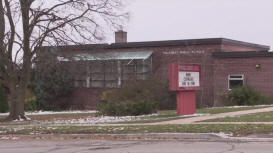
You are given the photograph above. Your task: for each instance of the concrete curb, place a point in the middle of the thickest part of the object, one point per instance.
(184, 136)
(163, 136)
(210, 137)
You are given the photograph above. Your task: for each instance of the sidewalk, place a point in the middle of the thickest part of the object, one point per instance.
(199, 119)
(214, 116)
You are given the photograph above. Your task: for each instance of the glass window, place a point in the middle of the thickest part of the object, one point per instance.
(235, 81)
(112, 73)
(97, 84)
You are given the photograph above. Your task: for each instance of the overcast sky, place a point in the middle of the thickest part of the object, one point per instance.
(245, 20)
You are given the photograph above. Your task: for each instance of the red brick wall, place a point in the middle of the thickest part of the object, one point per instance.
(214, 72)
(200, 54)
(88, 98)
(261, 79)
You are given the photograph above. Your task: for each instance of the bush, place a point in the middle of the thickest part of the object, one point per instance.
(246, 96)
(4, 106)
(137, 98)
(31, 102)
(50, 80)
(32, 105)
(125, 109)
(150, 90)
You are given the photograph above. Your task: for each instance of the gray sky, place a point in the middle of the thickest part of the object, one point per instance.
(245, 20)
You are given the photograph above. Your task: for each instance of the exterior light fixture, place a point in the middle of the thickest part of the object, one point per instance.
(258, 66)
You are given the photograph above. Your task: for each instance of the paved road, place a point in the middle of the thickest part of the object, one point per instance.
(103, 146)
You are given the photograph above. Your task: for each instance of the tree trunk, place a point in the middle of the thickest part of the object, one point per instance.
(16, 102)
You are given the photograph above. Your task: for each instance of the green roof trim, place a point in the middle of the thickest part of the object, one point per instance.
(113, 56)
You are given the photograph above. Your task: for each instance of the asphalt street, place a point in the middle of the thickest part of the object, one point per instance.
(104, 146)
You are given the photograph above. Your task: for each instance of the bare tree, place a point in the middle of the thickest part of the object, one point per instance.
(26, 25)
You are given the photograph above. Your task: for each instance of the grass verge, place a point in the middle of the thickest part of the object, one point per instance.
(257, 117)
(172, 115)
(42, 117)
(162, 115)
(237, 130)
(218, 110)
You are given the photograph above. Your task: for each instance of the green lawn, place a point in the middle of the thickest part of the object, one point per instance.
(61, 116)
(32, 128)
(172, 115)
(213, 110)
(237, 130)
(162, 115)
(217, 110)
(50, 117)
(257, 117)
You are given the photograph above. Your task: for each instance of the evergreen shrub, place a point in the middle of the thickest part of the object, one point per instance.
(4, 106)
(137, 98)
(246, 96)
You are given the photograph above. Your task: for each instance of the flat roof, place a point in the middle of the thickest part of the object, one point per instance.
(248, 54)
(188, 42)
(185, 42)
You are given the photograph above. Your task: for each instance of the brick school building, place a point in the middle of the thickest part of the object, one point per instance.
(225, 63)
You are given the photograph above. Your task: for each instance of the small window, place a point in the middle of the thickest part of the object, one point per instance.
(235, 81)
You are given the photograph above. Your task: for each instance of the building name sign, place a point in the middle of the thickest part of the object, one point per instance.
(183, 52)
(188, 79)
(184, 76)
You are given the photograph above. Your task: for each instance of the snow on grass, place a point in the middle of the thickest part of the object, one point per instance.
(195, 115)
(52, 112)
(3, 132)
(21, 119)
(4, 138)
(18, 129)
(61, 112)
(101, 119)
(112, 119)
(94, 111)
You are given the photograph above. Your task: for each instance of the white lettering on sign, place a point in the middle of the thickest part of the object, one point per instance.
(189, 79)
(184, 52)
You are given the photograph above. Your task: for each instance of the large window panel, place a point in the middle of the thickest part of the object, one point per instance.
(114, 69)
(235, 80)
(111, 84)
(110, 77)
(97, 76)
(99, 84)
(111, 67)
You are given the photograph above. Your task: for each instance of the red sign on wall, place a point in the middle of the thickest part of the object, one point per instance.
(184, 76)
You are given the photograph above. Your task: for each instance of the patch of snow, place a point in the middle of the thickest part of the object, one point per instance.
(18, 129)
(195, 115)
(3, 132)
(4, 114)
(4, 138)
(61, 112)
(14, 138)
(19, 120)
(224, 135)
(101, 120)
(27, 118)
(52, 112)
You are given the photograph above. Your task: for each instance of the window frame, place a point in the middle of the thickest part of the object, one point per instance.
(238, 79)
(124, 70)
